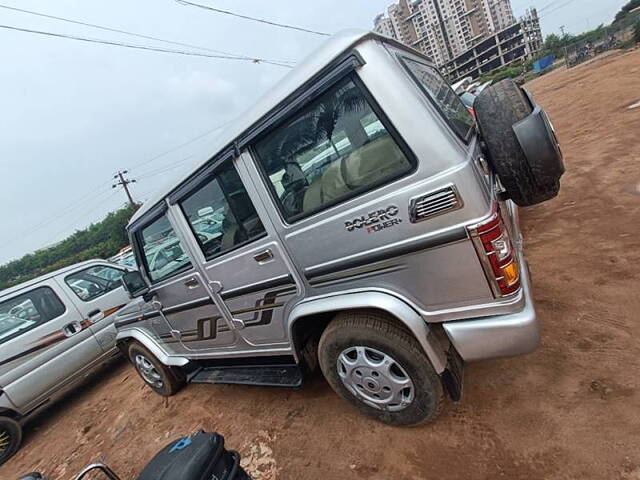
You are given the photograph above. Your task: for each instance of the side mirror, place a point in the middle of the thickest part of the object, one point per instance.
(134, 284)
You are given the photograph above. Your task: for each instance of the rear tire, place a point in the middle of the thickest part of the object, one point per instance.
(163, 380)
(10, 438)
(498, 108)
(380, 368)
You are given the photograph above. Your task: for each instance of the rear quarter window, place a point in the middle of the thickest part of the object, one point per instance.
(332, 149)
(441, 95)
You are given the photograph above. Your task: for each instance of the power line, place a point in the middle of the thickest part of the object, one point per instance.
(103, 188)
(84, 214)
(557, 8)
(178, 147)
(165, 168)
(133, 34)
(62, 213)
(140, 47)
(547, 5)
(253, 19)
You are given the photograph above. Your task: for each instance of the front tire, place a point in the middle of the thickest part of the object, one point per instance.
(380, 368)
(10, 438)
(163, 380)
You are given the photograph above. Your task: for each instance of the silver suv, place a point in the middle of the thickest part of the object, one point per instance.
(357, 217)
(54, 331)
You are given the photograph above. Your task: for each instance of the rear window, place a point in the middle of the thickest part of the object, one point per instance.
(28, 311)
(442, 95)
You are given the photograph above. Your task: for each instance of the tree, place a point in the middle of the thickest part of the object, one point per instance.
(636, 33)
(98, 240)
(554, 44)
(626, 8)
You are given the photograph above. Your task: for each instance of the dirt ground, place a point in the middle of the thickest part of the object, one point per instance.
(571, 410)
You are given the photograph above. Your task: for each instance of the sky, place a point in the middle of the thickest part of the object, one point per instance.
(73, 114)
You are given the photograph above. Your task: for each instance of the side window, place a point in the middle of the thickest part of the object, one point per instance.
(332, 149)
(447, 101)
(221, 214)
(162, 251)
(94, 282)
(27, 311)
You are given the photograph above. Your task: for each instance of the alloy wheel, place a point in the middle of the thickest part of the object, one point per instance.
(5, 440)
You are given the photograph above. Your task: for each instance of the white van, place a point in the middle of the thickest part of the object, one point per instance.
(54, 331)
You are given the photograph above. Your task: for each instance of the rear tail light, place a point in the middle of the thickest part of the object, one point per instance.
(472, 111)
(498, 258)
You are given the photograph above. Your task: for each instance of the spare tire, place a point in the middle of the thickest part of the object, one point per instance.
(520, 142)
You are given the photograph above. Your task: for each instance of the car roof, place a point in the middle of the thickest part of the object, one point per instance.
(329, 51)
(22, 286)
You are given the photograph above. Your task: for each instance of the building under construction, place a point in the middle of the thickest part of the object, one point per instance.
(466, 38)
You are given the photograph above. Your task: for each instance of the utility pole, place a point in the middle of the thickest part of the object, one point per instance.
(124, 183)
(562, 30)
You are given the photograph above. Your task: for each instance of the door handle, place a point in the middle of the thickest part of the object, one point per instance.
(192, 283)
(263, 256)
(95, 315)
(71, 329)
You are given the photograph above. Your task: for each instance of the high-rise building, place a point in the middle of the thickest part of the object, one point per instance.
(446, 29)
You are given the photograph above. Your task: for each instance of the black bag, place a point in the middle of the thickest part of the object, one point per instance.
(201, 456)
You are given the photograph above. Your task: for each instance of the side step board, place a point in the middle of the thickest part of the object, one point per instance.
(265, 375)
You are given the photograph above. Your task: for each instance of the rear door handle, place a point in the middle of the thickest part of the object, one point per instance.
(263, 256)
(95, 315)
(192, 283)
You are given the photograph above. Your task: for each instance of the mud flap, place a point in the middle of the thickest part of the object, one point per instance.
(452, 377)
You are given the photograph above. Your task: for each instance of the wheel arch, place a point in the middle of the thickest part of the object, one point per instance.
(7, 408)
(125, 337)
(9, 413)
(316, 315)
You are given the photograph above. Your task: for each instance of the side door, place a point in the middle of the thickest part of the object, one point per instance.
(98, 294)
(241, 256)
(44, 344)
(187, 315)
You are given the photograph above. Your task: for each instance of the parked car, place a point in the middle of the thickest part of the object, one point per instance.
(366, 229)
(468, 99)
(125, 257)
(54, 331)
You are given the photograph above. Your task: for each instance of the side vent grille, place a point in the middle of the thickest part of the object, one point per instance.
(434, 204)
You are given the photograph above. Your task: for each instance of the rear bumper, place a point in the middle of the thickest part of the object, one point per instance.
(500, 335)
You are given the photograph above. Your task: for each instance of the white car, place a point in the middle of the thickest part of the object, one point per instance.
(167, 258)
(54, 331)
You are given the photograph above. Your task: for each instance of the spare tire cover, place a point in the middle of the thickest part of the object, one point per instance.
(529, 178)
